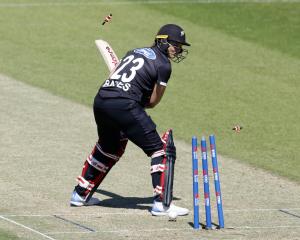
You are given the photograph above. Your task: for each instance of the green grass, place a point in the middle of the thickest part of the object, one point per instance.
(4, 235)
(243, 68)
(272, 25)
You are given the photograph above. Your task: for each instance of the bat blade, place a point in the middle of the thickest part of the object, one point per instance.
(107, 53)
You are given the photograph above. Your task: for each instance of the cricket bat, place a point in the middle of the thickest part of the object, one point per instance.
(107, 53)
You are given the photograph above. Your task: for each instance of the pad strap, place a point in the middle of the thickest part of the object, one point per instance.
(96, 164)
(158, 168)
(84, 183)
(95, 169)
(158, 153)
(157, 190)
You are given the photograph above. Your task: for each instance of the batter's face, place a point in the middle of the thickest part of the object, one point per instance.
(174, 49)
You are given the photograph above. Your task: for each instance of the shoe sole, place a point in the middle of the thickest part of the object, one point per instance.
(159, 213)
(81, 204)
(154, 213)
(76, 204)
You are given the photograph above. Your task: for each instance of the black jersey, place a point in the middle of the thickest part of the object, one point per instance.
(136, 75)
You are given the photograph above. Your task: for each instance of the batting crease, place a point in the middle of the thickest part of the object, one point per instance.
(177, 229)
(28, 228)
(4, 217)
(143, 212)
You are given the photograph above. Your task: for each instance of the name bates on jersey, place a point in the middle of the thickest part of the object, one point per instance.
(128, 68)
(112, 83)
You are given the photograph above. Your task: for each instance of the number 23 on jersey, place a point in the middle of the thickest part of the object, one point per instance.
(124, 74)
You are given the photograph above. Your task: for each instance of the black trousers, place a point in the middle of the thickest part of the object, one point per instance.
(117, 116)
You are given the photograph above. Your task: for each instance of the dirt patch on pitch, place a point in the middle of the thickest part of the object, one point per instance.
(44, 140)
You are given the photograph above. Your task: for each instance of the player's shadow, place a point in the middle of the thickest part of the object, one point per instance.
(118, 201)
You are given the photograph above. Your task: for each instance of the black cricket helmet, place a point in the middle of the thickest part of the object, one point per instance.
(174, 35)
(172, 32)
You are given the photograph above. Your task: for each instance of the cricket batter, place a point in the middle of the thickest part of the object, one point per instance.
(138, 82)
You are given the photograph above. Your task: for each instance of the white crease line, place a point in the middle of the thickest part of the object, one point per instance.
(57, 4)
(127, 230)
(144, 230)
(28, 228)
(143, 212)
(62, 214)
(176, 229)
(266, 227)
(261, 209)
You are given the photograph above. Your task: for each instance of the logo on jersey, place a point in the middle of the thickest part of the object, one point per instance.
(147, 52)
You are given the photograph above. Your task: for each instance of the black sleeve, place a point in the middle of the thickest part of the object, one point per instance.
(163, 74)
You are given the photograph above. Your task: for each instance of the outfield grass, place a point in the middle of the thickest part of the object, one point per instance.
(272, 25)
(243, 67)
